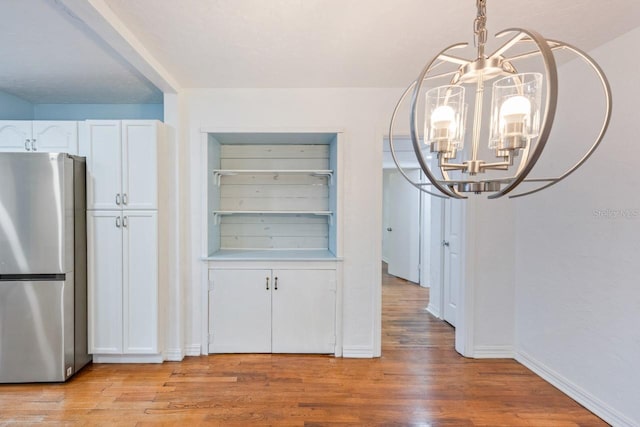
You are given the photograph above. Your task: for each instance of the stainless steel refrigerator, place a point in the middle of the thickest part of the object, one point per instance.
(43, 267)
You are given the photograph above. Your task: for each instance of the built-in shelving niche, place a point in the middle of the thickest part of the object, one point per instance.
(272, 195)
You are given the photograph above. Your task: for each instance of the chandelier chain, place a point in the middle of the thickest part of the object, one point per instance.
(480, 27)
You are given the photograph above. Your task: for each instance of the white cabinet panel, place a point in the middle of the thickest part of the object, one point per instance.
(104, 164)
(15, 135)
(104, 259)
(139, 165)
(122, 164)
(140, 281)
(240, 311)
(55, 137)
(35, 136)
(279, 311)
(303, 317)
(123, 282)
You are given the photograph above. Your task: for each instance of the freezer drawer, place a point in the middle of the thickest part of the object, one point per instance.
(36, 330)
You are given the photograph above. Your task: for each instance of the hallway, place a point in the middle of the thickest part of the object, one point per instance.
(419, 380)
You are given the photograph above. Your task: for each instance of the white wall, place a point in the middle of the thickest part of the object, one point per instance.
(362, 114)
(486, 307)
(578, 253)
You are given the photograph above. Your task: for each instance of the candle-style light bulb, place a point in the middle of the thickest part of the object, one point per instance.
(443, 117)
(514, 113)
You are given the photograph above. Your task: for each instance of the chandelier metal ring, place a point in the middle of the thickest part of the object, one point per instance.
(514, 136)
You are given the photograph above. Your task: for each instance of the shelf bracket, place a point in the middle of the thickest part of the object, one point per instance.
(216, 178)
(329, 176)
(216, 218)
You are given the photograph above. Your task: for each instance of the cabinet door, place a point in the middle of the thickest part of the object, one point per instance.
(55, 137)
(240, 311)
(104, 269)
(15, 135)
(104, 164)
(140, 164)
(304, 307)
(140, 282)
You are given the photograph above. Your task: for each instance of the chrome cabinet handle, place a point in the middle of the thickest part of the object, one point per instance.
(125, 199)
(118, 199)
(267, 283)
(33, 145)
(276, 284)
(445, 243)
(125, 221)
(118, 222)
(26, 144)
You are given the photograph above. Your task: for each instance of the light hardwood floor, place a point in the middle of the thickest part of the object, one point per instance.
(420, 380)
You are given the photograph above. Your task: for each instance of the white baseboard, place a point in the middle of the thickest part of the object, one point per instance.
(583, 397)
(493, 352)
(120, 358)
(193, 350)
(174, 355)
(433, 310)
(357, 351)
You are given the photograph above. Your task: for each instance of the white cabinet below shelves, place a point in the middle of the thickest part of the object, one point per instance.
(279, 311)
(123, 282)
(39, 136)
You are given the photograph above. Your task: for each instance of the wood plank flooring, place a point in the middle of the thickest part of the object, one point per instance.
(420, 381)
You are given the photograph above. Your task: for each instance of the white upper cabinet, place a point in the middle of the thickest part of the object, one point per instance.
(39, 136)
(103, 150)
(139, 164)
(122, 159)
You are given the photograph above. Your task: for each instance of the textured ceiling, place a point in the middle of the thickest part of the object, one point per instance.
(50, 57)
(342, 43)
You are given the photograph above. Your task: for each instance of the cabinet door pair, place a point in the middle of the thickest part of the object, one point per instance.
(39, 136)
(272, 311)
(122, 164)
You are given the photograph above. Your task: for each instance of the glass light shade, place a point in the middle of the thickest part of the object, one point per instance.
(445, 118)
(515, 111)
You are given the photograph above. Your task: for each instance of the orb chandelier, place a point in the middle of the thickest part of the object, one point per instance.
(504, 144)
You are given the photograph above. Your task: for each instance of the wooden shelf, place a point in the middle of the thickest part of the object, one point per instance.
(218, 214)
(272, 254)
(218, 173)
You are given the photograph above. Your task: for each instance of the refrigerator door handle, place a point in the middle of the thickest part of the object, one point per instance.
(118, 222)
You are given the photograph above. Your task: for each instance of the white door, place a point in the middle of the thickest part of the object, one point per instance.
(240, 311)
(140, 164)
(452, 277)
(15, 135)
(104, 164)
(140, 281)
(104, 270)
(55, 137)
(403, 230)
(303, 318)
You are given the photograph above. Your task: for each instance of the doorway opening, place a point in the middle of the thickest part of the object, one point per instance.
(422, 235)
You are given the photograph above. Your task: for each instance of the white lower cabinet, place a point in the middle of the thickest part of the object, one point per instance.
(272, 311)
(123, 283)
